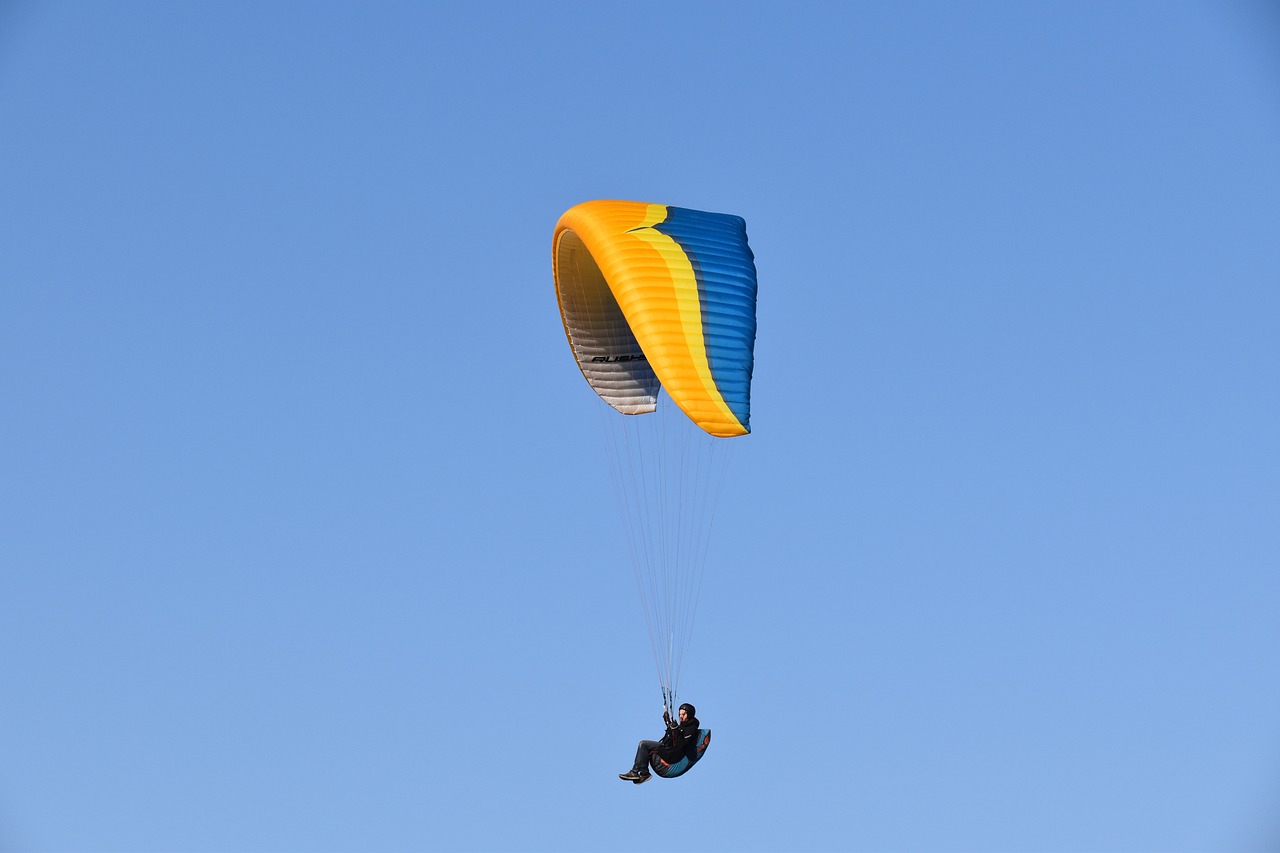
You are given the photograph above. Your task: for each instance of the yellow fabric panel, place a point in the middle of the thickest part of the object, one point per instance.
(654, 284)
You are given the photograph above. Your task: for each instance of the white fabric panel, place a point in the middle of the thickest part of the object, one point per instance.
(607, 352)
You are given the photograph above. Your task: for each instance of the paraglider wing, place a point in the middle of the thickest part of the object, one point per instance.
(657, 296)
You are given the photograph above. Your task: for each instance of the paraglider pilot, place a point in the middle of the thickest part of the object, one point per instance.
(679, 739)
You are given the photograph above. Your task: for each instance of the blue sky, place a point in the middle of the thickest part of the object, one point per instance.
(305, 531)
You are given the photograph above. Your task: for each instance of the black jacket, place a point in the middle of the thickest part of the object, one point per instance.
(679, 741)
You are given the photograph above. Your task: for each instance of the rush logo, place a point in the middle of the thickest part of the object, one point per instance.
(612, 359)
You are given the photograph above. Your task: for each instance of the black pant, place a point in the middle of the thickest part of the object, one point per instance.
(642, 756)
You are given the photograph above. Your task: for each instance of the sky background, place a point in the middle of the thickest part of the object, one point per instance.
(306, 535)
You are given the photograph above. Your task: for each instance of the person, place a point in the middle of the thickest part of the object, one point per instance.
(679, 739)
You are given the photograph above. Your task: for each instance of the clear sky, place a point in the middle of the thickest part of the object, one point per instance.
(306, 536)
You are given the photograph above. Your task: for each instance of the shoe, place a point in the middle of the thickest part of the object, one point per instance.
(630, 776)
(644, 777)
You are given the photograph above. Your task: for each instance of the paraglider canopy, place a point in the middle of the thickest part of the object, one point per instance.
(658, 296)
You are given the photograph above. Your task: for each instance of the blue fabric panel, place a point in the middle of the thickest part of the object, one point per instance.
(716, 245)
